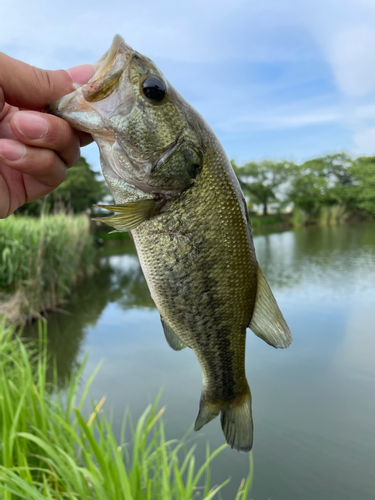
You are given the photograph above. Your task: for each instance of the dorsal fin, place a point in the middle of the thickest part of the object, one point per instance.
(172, 338)
(267, 321)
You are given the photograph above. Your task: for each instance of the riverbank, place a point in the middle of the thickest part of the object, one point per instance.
(50, 449)
(275, 222)
(40, 261)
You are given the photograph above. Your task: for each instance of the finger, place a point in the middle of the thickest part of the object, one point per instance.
(42, 164)
(47, 132)
(7, 133)
(5, 117)
(29, 87)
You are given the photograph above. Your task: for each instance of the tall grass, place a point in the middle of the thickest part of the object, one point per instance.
(40, 259)
(333, 214)
(49, 449)
(259, 221)
(299, 217)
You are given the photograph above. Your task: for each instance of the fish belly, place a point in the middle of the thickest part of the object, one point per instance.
(201, 270)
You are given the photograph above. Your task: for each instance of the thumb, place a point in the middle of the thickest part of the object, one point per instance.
(29, 87)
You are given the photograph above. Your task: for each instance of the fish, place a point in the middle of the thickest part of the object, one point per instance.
(176, 193)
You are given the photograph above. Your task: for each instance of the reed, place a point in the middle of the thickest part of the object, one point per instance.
(299, 217)
(40, 260)
(49, 449)
(259, 221)
(331, 215)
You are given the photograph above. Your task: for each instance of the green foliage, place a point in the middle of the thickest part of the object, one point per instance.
(321, 182)
(78, 193)
(81, 189)
(324, 190)
(299, 217)
(106, 236)
(40, 260)
(261, 180)
(49, 449)
(258, 221)
(331, 214)
(363, 173)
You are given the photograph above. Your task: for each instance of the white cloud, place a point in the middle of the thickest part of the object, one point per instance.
(365, 112)
(301, 114)
(352, 55)
(365, 140)
(313, 37)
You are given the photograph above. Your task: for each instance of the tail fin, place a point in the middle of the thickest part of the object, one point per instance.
(236, 420)
(237, 424)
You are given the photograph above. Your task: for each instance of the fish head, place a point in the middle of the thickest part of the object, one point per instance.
(149, 137)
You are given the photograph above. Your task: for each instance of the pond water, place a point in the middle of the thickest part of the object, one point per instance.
(313, 404)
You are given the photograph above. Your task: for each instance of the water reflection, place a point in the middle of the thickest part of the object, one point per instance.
(118, 279)
(338, 258)
(313, 404)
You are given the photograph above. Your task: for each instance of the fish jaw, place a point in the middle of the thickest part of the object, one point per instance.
(82, 108)
(79, 114)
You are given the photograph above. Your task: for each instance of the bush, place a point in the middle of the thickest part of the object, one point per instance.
(40, 260)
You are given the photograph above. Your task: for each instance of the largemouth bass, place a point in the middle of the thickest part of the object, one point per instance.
(176, 193)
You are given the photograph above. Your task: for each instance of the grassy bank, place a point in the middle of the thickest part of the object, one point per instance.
(272, 221)
(40, 260)
(107, 237)
(49, 449)
(258, 223)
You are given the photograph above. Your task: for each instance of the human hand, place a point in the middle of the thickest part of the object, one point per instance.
(35, 148)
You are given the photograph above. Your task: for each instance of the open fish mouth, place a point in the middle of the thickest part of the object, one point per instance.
(109, 69)
(76, 107)
(107, 59)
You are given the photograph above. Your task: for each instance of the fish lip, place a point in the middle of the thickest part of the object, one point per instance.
(104, 63)
(104, 66)
(109, 68)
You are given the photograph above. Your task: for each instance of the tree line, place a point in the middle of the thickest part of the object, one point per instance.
(326, 181)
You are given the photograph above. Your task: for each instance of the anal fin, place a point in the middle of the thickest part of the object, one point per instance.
(129, 215)
(267, 321)
(172, 338)
(207, 412)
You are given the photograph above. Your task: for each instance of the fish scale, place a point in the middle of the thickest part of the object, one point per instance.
(230, 280)
(176, 193)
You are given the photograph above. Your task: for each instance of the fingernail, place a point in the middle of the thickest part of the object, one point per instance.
(12, 150)
(31, 125)
(82, 74)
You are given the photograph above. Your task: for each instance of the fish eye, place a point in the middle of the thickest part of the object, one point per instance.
(154, 88)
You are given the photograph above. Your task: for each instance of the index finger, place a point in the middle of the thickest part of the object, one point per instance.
(33, 88)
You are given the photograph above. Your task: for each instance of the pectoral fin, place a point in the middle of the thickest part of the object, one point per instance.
(172, 338)
(130, 215)
(267, 322)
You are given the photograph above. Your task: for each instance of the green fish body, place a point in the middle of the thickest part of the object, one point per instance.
(176, 193)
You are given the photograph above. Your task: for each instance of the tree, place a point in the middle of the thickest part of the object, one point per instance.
(262, 180)
(80, 190)
(363, 190)
(322, 181)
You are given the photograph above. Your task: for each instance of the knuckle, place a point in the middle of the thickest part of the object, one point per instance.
(50, 160)
(74, 157)
(42, 78)
(60, 132)
(73, 154)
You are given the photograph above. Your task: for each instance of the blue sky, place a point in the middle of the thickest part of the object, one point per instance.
(275, 79)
